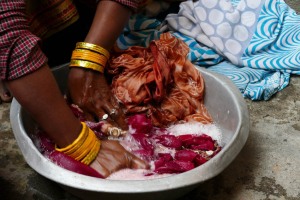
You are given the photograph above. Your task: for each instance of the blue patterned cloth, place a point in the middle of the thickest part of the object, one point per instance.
(139, 31)
(255, 84)
(269, 40)
(275, 44)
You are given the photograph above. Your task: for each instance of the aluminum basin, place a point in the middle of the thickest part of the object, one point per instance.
(225, 104)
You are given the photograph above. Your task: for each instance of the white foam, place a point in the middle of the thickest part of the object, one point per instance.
(197, 128)
(128, 142)
(135, 174)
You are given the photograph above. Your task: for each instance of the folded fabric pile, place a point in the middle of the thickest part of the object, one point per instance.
(254, 43)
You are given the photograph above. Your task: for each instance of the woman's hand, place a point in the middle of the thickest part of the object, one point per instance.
(113, 157)
(89, 90)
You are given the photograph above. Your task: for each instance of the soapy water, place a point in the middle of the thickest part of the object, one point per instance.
(169, 151)
(180, 129)
(211, 130)
(189, 128)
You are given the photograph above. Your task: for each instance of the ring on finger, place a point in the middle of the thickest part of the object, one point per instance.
(104, 117)
(115, 132)
(113, 112)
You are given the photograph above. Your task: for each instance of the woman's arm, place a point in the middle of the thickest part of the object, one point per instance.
(39, 94)
(47, 106)
(23, 66)
(109, 20)
(88, 88)
(31, 82)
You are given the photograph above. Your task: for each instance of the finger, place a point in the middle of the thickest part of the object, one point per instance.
(120, 116)
(88, 116)
(88, 111)
(120, 120)
(138, 163)
(97, 112)
(99, 168)
(110, 110)
(101, 115)
(114, 101)
(5, 95)
(117, 115)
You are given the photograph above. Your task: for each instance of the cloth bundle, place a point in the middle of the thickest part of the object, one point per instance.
(160, 81)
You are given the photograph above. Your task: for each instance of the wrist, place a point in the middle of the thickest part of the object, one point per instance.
(89, 56)
(78, 73)
(84, 148)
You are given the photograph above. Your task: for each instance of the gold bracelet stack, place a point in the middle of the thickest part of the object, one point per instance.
(85, 148)
(90, 56)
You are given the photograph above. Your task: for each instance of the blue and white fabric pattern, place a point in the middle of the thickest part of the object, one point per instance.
(275, 44)
(200, 54)
(140, 30)
(255, 84)
(218, 24)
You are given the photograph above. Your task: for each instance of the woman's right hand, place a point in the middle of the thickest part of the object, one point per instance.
(113, 157)
(90, 91)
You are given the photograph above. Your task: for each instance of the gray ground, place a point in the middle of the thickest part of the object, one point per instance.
(268, 167)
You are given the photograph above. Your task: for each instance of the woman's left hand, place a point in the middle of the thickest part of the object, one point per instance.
(90, 91)
(113, 157)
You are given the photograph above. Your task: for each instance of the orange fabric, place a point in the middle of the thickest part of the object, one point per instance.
(159, 80)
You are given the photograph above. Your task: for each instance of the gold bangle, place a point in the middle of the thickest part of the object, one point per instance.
(89, 56)
(76, 147)
(79, 139)
(91, 53)
(80, 142)
(87, 64)
(85, 56)
(85, 147)
(93, 47)
(93, 153)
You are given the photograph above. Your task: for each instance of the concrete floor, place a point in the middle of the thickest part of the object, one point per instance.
(268, 167)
